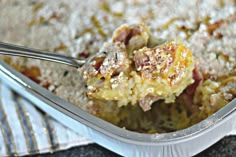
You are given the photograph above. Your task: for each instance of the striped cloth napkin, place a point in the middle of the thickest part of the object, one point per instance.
(25, 129)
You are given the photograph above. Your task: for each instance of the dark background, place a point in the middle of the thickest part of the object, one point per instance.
(224, 148)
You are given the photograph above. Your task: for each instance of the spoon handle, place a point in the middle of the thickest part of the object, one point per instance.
(14, 50)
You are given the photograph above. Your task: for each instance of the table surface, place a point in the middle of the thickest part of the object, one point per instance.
(224, 148)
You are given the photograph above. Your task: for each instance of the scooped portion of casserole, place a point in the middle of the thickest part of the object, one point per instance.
(128, 71)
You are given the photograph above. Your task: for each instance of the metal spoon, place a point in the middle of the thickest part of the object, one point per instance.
(14, 50)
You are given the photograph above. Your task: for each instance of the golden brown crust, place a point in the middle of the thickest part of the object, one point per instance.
(110, 61)
(169, 61)
(133, 37)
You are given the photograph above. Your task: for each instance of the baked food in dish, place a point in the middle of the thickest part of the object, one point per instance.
(79, 29)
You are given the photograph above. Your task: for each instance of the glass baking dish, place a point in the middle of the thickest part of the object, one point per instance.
(186, 142)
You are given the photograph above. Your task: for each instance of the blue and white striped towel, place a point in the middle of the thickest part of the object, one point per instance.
(25, 129)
